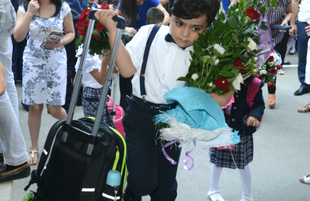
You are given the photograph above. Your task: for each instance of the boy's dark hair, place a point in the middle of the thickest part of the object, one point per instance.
(154, 15)
(57, 3)
(190, 9)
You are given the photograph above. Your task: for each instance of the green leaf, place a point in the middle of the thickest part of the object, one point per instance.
(233, 22)
(227, 74)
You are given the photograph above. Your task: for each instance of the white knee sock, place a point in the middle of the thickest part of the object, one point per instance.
(215, 177)
(246, 181)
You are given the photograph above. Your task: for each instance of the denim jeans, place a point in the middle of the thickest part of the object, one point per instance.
(11, 138)
(302, 40)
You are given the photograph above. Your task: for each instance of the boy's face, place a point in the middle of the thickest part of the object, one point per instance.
(185, 32)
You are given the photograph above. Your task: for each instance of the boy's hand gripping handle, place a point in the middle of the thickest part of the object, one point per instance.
(121, 24)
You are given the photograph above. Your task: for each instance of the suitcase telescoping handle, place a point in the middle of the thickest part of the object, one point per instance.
(121, 24)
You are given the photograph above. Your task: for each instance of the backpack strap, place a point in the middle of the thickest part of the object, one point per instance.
(145, 57)
(252, 90)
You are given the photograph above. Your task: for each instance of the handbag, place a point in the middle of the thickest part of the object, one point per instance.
(117, 115)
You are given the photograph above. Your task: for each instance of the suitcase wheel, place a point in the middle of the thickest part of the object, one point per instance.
(29, 197)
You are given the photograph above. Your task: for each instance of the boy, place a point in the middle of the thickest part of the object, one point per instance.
(155, 16)
(150, 173)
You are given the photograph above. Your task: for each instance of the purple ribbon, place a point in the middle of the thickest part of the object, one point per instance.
(173, 162)
(165, 153)
(190, 157)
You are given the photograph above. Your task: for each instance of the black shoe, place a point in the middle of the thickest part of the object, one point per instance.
(10, 173)
(286, 63)
(131, 196)
(302, 90)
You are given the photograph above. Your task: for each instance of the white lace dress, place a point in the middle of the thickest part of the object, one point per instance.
(44, 71)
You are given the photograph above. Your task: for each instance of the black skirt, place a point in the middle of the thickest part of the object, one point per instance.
(238, 157)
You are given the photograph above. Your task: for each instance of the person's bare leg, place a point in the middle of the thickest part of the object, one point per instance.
(57, 112)
(34, 124)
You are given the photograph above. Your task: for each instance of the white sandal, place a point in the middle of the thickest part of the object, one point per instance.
(305, 179)
(33, 160)
(215, 196)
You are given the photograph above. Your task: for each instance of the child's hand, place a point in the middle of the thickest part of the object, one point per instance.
(252, 121)
(105, 18)
(106, 58)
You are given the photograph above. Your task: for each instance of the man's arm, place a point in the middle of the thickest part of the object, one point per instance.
(2, 80)
(293, 30)
(233, 2)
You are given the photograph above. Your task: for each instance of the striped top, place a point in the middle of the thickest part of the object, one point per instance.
(275, 16)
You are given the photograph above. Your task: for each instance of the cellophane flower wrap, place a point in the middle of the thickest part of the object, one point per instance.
(268, 71)
(223, 56)
(99, 43)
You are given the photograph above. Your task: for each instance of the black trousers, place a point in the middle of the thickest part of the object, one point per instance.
(281, 48)
(150, 173)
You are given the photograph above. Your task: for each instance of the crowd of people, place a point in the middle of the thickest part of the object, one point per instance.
(47, 77)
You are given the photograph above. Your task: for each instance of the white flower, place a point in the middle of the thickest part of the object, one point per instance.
(195, 76)
(210, 84)
(219, 49)
(216, 61)
(237, 82)
(252, 45)
(263, 72)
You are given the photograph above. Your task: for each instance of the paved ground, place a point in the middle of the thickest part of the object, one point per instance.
(281, 155)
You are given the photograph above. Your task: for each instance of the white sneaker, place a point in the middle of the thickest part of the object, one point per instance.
(215, 196)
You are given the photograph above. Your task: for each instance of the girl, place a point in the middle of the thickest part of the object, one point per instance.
(44, 72)
(242, 115)
(93, 79)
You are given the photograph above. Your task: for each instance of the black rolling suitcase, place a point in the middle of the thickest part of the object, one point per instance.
(83, 160)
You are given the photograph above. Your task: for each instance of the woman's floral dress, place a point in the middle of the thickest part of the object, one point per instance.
(44, 71)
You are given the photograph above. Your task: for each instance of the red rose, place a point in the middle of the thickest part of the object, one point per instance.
(97, 37)
(273, 70)
(82, 17)
(238, 63)
(82, 32)
(242, 71)
(104, 6)
(271, 58)
(79, 25)
(85, 22)
(270, 84)
(259, 77)
(222, 84)
(86, 11)
(252, 13)
(99, 27)
(279, 66)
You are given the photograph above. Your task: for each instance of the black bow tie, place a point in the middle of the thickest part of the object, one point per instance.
(169, 39)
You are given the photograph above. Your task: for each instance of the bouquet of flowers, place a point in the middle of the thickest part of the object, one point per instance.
(223, 56)
(99, 43)
(268, 71)
(227, 52)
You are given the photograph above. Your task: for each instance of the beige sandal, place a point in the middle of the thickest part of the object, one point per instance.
(304, 109)
(33, 157)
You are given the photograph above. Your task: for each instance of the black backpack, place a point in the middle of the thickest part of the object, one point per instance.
(66, 173)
